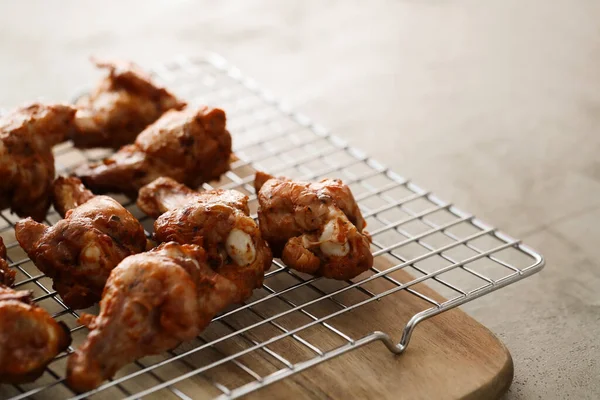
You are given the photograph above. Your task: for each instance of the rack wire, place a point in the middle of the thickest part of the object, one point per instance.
(292, 323)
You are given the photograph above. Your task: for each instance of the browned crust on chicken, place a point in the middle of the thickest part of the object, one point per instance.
(209, 225)
(208, 219)
(29, 338)
(163, 194)
(7, 275)
(26, 161)
(191, 146)
(69, 193)
(152, 302)
(124, 103)
(316, 228)
(79, 251)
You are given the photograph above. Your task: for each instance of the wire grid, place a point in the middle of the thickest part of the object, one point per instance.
(291, 323)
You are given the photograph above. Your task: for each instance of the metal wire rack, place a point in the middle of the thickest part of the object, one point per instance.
(413, 231)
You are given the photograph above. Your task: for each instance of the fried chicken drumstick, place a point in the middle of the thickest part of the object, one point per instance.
(79, 251)
(218, 220)
(316, 228)
(26, 161)
(29, 338)
(152, 302)
(191, 146)
(121, 106)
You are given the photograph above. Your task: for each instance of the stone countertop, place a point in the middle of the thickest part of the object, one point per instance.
(493, 105)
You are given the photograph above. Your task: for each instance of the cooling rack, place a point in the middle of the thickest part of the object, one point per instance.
(413, 231)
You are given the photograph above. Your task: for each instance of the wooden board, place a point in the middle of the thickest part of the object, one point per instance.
(450, 356)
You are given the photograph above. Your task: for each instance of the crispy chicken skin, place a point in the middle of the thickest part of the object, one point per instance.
(69, 193)
(165, 194)
(316, 228)
(26, 161)
(79, 251)
(191, 146)
(7, 275)
(219, 221)
(152, 302)
(121, 106)
(29, 338)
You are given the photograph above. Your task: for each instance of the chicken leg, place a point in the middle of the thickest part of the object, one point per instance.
(121, 106)
(153, 301)
(191, 146)
(79, 251)
(26, 161)
(29, 338)
(316, 228)
(216, 219)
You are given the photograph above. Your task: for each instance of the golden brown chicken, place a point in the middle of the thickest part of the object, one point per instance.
(121, 106)
(153, 301)
(26, 161)
(7, 275)
(29, 338)
(219, 221)
(79, 251)
(191, 146)
(68, 194)
(316, 228)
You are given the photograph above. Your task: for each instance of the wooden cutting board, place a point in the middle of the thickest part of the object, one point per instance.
(450, 356)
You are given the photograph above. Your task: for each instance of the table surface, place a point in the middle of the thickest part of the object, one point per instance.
(492, 105)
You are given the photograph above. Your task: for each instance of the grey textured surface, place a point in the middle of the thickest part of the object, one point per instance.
(493, 105)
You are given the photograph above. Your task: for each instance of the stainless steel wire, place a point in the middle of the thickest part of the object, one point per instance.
(442, 247)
